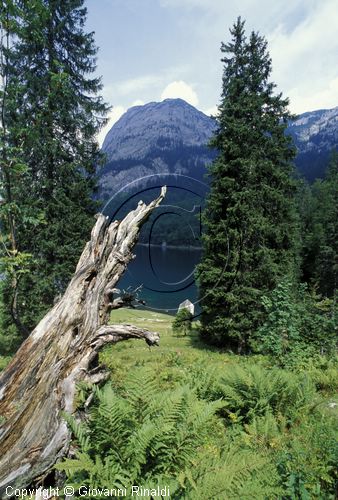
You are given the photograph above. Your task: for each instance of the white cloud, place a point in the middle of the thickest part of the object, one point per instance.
(305, 59)
(132, 88)
(213, 111)
(302, 37)
(138, 102)
(180, 89)
(325, 98)
(225, 13)
(135, 88)
(114, 115)
(179, 40)
(137, 84)
(204, 4)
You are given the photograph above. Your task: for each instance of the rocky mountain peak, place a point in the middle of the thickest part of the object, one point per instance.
(159, 137)
(160, 125)
(172, 137)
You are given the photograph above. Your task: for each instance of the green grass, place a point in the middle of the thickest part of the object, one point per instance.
(294, 438)
(177, 356)
(295, 434)
(170, 359)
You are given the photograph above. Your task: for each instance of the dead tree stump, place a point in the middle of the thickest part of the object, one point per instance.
(40, 382)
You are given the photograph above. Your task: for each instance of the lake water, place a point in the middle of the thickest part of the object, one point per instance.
(166, 276)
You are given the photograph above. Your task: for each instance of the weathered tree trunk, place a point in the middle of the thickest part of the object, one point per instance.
(39, 384)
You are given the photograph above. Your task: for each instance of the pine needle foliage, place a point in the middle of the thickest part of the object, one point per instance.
(250, 221)
(319, 211)
(53, 111)
(182, 323)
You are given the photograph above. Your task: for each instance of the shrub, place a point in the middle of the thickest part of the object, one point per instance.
(299, 326)
(251, 391)
(308, 461)
(306, 455)
(182, 323)
(325, 380)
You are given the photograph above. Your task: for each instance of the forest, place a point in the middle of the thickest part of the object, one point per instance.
(237, 402)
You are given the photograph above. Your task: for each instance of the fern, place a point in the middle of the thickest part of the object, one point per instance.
(140, 390)
(138, 435)
(202, 379)
(251, 391)
(153, 437)
(235, 473)
(265, 432)
(80, 431)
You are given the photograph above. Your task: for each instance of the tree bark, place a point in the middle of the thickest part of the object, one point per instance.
(40, 382)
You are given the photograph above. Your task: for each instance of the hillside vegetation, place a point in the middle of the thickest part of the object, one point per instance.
(206, 423)
(189, 419)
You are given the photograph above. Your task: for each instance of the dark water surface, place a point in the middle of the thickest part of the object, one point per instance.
(167, 275)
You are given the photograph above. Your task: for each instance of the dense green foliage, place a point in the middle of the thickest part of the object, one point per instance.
(182, 323)
(140, 436)
(206, 424)
(53, 124)
(250, 220)
(299, 326)
(319, 215)
(14, 262)
(250, 392)
(203, 422)
(150, 437)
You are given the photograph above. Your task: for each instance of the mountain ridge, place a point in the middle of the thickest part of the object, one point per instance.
(315, 134)
(172, 136)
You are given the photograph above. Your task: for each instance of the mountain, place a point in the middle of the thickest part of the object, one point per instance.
(171, 137)
(315, 134)
(158, 138)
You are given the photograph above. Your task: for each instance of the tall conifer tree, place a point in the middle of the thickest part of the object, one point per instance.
(250, 219)
(14, 262)
(59, 105)
(319, 211)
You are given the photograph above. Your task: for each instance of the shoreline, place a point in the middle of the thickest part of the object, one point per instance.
(177, 247)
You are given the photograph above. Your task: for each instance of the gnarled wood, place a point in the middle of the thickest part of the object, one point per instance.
(40, 381)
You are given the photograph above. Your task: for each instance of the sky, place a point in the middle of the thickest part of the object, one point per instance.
(150, 50)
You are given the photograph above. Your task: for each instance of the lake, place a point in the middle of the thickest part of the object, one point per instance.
(166, 275)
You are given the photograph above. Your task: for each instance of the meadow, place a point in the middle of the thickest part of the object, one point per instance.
(202, 422)
(206, 423)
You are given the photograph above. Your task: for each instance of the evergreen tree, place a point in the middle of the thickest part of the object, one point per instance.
(319, 227)
(250, 219)
(59, 107)
(182, 323)
(13, 261)
(309, 248)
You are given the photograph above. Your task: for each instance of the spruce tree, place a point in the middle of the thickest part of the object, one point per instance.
(14, 263)
(250, 222)
(59, 106)
(326, 220)
(319, 214)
